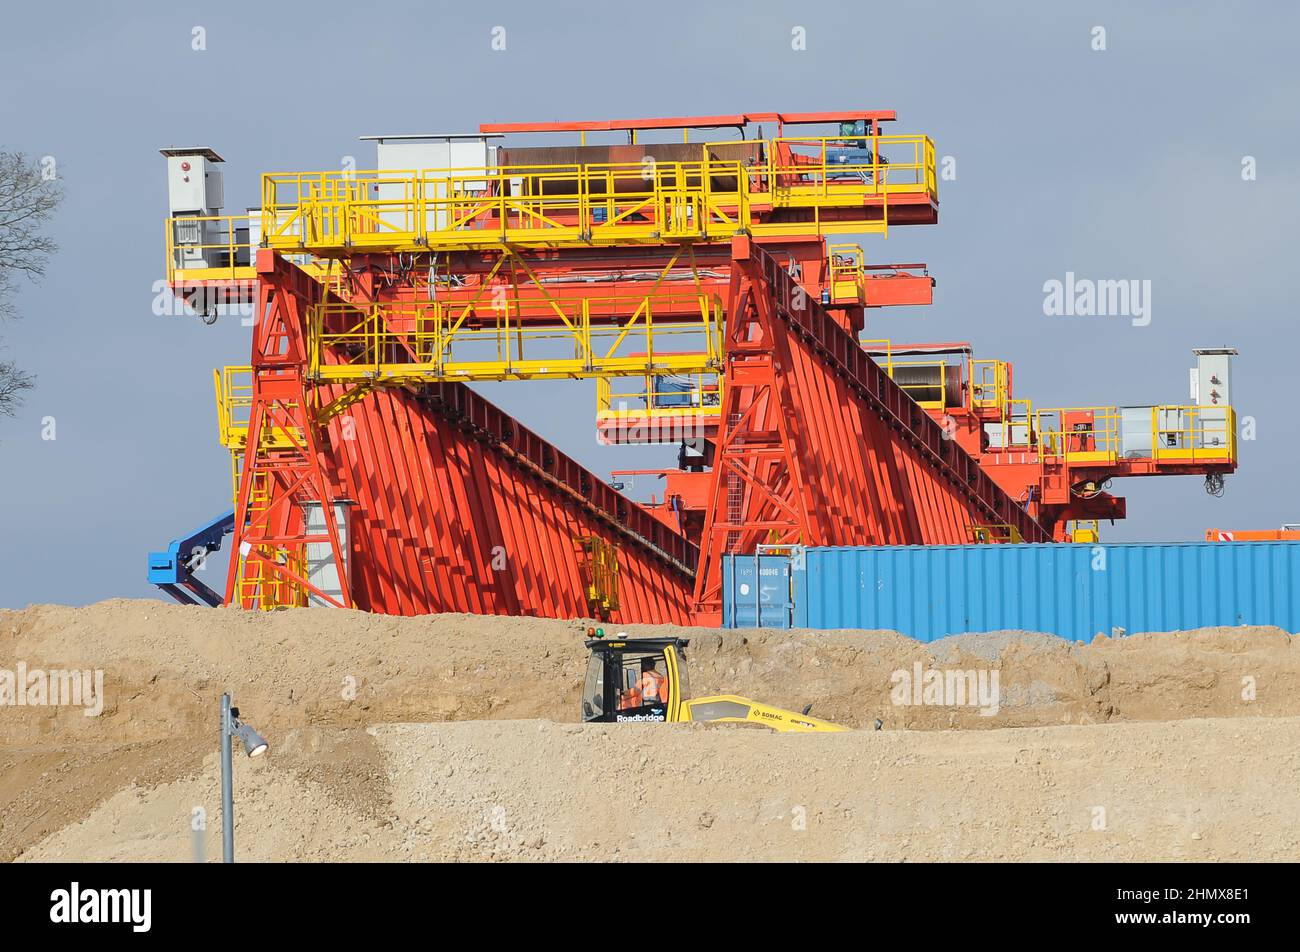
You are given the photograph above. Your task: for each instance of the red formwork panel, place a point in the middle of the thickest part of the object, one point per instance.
(873, 487)
(458, 508)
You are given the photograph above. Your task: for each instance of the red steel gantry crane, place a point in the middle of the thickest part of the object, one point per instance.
(369, 474)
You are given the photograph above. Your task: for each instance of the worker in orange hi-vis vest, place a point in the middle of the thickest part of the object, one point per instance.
(653, 685)
(629, 699)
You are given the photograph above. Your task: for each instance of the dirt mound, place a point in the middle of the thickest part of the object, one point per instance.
(165, 667)
(318, 676)
(536, 790)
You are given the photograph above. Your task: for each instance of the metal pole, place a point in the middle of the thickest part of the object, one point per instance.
(227, 787)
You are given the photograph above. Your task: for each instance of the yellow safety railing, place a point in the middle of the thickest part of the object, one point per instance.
(208, 248)
(844, 273)
(234, 393)
(882, 352)
(1093, 436)
(880, 344)
(547, 205)
(234, 390)
(1018, 423)
(257, 584)
(659, 396)
(430, 340)
(266, 589)
(598, 566)
(1085, 531)
(657, 409)
(1168, 433)
(922, 391)
(221, 249)
(534, 205)
(990, 384)
(827, 171)
(1194, 433)
(995, 533)
(1014, 427)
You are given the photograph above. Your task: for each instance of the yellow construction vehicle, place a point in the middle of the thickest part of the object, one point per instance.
(631, 680)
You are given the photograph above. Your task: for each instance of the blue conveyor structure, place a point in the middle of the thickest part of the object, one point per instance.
(173, 570)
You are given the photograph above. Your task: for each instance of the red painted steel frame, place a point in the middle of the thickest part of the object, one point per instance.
(457, 507)
(819, 446)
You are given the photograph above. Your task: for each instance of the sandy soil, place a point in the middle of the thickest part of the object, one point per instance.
(536, 790)
(1184, 740)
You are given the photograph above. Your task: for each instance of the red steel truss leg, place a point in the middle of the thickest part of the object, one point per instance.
(758, 493)
(282, 468)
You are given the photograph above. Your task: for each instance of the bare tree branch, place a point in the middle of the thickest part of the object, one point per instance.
(28, 198)
(13, 384)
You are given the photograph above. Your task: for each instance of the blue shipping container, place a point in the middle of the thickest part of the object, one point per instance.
(1074, 591)
(756, 591)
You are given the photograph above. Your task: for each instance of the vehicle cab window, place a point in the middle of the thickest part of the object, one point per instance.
(642, 688)
(633, 680)
(593, 690)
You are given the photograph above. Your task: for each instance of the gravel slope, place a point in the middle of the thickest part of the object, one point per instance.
(536, 790)
(354, 703)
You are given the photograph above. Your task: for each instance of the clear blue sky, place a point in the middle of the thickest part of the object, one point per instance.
(1117, 164)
